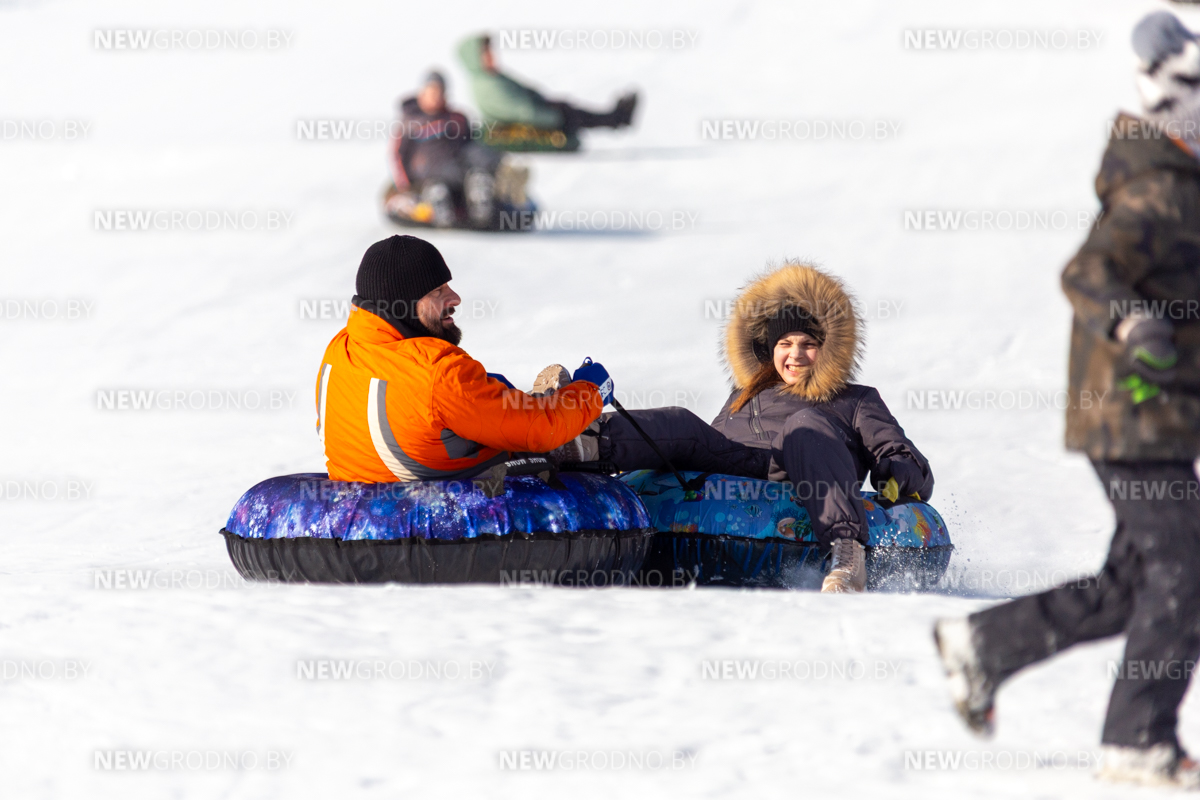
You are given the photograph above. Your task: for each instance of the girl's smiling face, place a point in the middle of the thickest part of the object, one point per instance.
(794, 355)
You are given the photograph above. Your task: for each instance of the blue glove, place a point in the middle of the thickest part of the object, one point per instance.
(595, 373)
(501, 378)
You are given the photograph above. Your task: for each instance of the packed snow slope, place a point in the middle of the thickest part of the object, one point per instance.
(614, 674)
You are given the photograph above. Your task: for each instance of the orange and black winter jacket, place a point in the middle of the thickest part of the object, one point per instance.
(391, 408)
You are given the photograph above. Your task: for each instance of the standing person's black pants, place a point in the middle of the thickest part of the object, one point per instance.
(1149, 589)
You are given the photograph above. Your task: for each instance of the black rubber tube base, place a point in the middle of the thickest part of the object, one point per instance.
(584, 559)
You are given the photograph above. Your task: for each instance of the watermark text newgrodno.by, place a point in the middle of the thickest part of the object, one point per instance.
(394, 669)
(44, 669)
(338, 309)
(725, 310)
(998, 399)
(1001, 39)
(46, 309)
(600, 760)
(193, 40)
(633, 398)
(44, 130)
(599, 39)
(192, 220)
(1009, 582)
(135, 579)
(1136, 128)
(190, 760)
(1153, 490)
(768, 669)
(999, 760)
(773, 491)
(46, 490)
(146, 400)
(371, 129)
(817, 129)
(1174, 310)
(1151, 670)
(597, 579)
(600, 220)
(998, 220)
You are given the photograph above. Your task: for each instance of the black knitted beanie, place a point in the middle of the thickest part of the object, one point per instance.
(397, 272)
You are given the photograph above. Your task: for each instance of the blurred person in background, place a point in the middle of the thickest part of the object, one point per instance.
(501, 98)
(437, 163)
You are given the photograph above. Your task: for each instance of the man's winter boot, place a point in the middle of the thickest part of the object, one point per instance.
(437, 196)
(1159, 765)
(973, 691)
(586, 446)
(480, 189)
(550, 380)
(848, 572)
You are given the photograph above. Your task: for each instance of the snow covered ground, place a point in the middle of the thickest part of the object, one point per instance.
(852, 699)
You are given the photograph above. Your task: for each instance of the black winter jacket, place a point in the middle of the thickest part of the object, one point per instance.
(876, 441)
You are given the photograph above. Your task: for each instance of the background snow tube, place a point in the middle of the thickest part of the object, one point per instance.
(743, 532)
(306, 528)
(405, 208)
(516, 137)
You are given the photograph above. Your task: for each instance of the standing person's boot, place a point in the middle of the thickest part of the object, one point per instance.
(848, 572)
(974, 693)
(1158, 765)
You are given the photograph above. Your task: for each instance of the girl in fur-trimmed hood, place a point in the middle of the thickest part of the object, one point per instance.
(793, 347)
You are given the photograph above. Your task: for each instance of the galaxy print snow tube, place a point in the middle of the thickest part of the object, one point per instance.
(743, 532)
(580, 529)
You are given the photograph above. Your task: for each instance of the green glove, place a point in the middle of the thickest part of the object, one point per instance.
(1139, 388)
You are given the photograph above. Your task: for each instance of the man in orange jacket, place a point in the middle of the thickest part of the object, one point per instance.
(398, 400)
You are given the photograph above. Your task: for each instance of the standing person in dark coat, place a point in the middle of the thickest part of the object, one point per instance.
(1135, 412)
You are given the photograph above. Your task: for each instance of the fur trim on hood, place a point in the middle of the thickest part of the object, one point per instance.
(823, 297)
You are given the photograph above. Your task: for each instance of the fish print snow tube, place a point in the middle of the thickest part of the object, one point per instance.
(579, 529)
(736, 531)
(520, 138)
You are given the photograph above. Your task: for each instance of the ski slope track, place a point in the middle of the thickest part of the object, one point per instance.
(115, 692)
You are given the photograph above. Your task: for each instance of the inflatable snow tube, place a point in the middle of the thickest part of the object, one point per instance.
(589, 531)
(407, 210)
(743, 532)
(517, 137)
